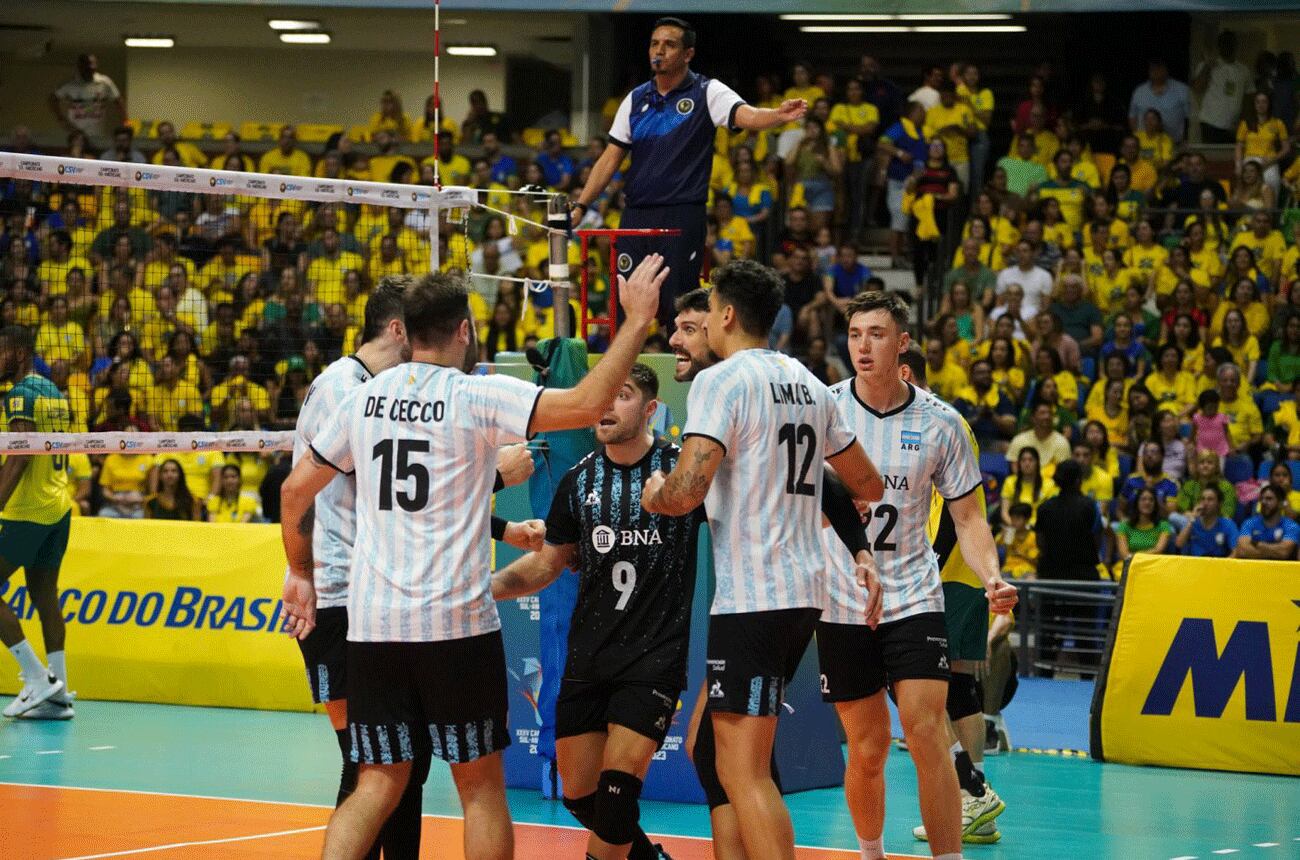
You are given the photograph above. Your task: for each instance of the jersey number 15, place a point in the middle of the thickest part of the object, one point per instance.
(404, 469)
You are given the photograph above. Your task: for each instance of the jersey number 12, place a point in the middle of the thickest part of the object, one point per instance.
(798, 438)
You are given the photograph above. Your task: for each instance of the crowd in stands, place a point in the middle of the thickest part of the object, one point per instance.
(1116, 324)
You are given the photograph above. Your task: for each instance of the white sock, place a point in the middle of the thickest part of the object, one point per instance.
(955, 749)
(33, 668)
(872, 849)
(979, 765)
(956, 856)
(59, 666)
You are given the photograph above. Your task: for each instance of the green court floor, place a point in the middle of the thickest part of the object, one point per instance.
(1057, 807)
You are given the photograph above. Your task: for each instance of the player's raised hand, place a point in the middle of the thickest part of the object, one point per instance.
(299, 605)
(868, 576)
(650, 493)
(639, 293)
(792, 110)
(515, 464)
(1003, 596)
(529, 535)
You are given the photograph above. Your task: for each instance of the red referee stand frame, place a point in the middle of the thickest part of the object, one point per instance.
(585, 237)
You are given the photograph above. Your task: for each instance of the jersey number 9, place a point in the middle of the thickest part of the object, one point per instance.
(624, 577)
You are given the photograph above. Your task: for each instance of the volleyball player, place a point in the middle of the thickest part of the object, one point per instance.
(667, 125)
(35, 513)
(690, 345)
(426, 664)
(383, 345)
(966, 618)
(630, 633)
(920, 445)
(758, 432)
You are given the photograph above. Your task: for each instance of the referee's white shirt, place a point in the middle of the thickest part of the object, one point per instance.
(422, 440)
(335, 529)
(777, 423)
(917, 446)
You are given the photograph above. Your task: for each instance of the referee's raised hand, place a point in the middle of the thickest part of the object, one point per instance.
(639, 294)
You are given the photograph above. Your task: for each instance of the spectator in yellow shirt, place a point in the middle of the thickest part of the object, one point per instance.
(325, 273)
(803, 88)
(228, 266)
(286, 158)
(732, 227)
(1265, 243)
(158, 263)
(123, 478)
(1154, 143)
(1245, 424)
(52, 272)
(953, 122)
(190, 155)
(231, 504)
(61, 338)
(453, 168)
(1142, 171)
(237, 385)
(172, 397)
(1263, 137)
(390, 118)
(383, 163)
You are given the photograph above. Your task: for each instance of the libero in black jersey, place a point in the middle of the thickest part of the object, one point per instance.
(630, 633)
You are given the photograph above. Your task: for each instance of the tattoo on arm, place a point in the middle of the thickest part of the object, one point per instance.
(307, 521)
(686, 487)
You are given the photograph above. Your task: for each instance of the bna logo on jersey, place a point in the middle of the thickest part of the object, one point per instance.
(911, 440)
(685, 106)
(603, 539)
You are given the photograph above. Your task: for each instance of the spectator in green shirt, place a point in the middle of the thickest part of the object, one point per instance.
(1023, 173)
(1284, 354)
(980, 278)
(1146, 529)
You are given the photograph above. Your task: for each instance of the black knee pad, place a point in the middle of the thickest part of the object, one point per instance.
(583, 809)
(706, 765)
(618, 814)
(964, 696)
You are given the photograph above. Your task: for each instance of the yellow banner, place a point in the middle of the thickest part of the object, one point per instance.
(1204, 668)
(180, 613)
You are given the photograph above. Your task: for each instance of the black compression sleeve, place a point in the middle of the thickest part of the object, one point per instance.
(500, 484)
(837, 505)
(498, 528)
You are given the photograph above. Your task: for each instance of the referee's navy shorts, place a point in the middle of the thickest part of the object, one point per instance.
(683, 254)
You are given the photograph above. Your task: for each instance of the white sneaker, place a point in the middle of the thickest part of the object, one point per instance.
(52, 709)
(33, 694)
(977, 816)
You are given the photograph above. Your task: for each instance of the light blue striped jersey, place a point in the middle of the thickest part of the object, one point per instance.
(422, 440)
(918, 448)
(336, 517)
(777, 423)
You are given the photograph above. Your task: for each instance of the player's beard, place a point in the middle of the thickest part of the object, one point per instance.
(695, 365)
(617, 434)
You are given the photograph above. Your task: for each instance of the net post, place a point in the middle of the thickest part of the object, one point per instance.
(557, 218)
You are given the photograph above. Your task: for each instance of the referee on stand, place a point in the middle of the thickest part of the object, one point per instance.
(667, 124)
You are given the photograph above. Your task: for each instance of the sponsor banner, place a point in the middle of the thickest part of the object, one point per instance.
(144, 443)
(172, 612)
(1203, 667)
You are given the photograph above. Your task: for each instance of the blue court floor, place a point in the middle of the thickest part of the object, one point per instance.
(1057, 806)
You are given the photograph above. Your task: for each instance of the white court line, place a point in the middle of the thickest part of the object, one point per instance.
(1227, 851)
(426, 815)
(99, 749)
(1266, 844)
(153, 848)
(49, 752)
(1185, 857)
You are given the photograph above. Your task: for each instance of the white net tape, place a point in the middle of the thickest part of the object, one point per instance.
(144, 443)
(190, 180)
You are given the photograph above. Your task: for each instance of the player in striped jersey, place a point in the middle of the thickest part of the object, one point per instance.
(690, 344)
(966, 618)
(630, 633)
(425, 658)
(333, 530)
(758, 431)
(920, 446)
